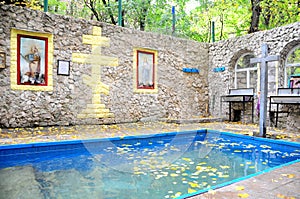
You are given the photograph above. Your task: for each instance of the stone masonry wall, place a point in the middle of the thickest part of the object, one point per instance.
(225, 53)
(179, 95)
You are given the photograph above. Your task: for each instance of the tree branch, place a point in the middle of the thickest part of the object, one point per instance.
(107, 5)
(91, 5)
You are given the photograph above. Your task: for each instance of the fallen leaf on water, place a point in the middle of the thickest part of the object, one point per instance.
(224, 167)
(173, 174)
(177, 195)
(187, 159)
(192, 184)
(191, 190)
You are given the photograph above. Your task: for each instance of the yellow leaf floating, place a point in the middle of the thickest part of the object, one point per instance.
(224, 167)
(187, 159)
(177, 195)
(224, 176)
(138, 172)
(193, 184)
(191, 190)
(243, 195)
(239, 188)
(173, 174)
(143, 162)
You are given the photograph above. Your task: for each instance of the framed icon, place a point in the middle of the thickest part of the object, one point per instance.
(31, 62)
(145, 63)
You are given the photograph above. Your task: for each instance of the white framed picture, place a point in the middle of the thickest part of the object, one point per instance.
(63, 67)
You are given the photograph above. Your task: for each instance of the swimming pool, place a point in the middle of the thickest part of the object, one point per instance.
(166, 165)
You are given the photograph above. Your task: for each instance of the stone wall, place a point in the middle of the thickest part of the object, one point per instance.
(225, 53)
(179, 94)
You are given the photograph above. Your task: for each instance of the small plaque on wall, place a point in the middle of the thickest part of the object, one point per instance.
(63, 67)
(2, 59)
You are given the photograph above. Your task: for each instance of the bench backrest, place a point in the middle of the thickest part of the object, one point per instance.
(289, 91)
(241, 91)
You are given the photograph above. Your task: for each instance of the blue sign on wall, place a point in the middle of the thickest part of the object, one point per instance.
(190, 70)
(219, 69)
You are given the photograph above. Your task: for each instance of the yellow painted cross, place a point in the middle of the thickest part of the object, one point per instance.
(96, 109)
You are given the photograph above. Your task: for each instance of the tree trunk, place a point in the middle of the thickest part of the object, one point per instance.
(123, 21)
(267, 15)
(222, 25)
(113, 21)
(143, 16)
(256, 10)
(143, 19)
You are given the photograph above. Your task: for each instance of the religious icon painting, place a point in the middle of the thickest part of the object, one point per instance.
(32, 60)
(145, 63)
(32, 68)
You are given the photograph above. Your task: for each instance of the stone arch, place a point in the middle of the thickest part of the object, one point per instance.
(233, 61)
(283, 56)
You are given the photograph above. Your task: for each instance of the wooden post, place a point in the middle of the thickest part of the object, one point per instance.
(263, 86)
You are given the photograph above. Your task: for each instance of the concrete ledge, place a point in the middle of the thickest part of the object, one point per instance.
(191, 120)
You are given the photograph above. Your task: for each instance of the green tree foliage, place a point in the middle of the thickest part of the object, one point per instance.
(278, 13)
(231, 17)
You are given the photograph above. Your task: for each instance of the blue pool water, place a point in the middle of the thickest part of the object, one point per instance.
(167, 165)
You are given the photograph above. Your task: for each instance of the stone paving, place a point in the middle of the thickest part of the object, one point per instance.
(280, 183)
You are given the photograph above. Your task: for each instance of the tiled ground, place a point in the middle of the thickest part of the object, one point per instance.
(56, 133)
(280, 183)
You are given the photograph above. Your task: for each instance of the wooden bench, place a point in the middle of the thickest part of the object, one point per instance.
(287, 96)
(243, 95)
